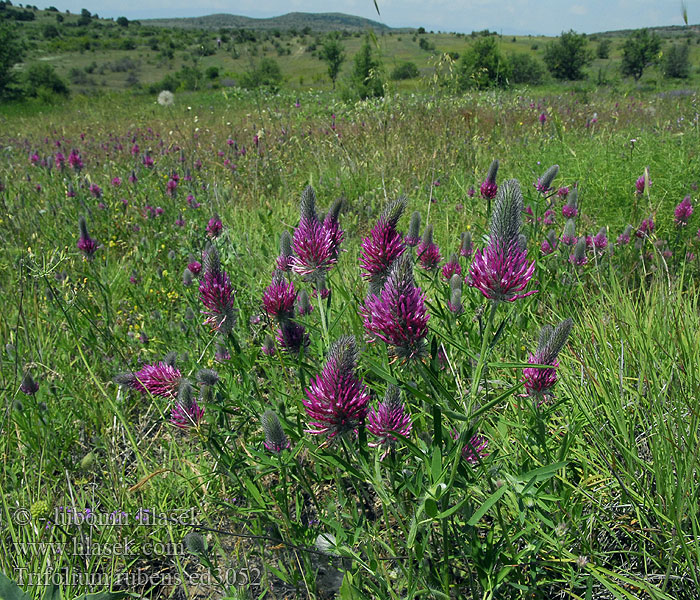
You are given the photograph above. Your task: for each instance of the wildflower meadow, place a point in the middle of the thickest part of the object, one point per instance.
(282, 345)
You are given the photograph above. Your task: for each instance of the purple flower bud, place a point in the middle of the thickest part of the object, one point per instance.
(86, 244)
(275, 439)
(489, 187)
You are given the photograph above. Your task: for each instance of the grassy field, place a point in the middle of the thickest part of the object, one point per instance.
(588, 489)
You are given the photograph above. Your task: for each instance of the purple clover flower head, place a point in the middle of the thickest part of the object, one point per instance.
(548, 218)
(86, 244)
(624, 237)
(186, 412)
(413, 236)
(466, 246)
(95, 190)
(171, 187)
(451, 267)
(600, 239)
(543, 118)
(501, 272)
(398, 315)
(214, 226)
(279, 298)
(428, 252)
(284, 260)
(312, 242)
(383, 246)
(474, 450)
(489, 187)
(74, 160)
(646, 228)
(276, 440)
(330, 224)
(568, 238)
(28, 385)
(570, 209)
(538, 381)
(643, 182)
(683, 212)
(194, 266)
(304, 306)
(471, 192)
(578, 256)
(544, 183)
(292, 337)
(216, 294)
(388, 418)
(70, 190)
(337, 401)
(161, 379)
(563, 192)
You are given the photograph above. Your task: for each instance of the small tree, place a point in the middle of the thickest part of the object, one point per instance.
(122, 21)
(365, 75)
(333, 55)
(483, 66)
(676, 63)
(639, 51)
(566, 57)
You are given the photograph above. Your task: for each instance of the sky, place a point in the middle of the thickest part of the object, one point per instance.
(510, 17)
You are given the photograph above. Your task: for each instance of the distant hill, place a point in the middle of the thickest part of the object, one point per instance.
(321, 22)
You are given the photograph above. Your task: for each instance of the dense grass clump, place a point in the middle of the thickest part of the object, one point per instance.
(286, 346)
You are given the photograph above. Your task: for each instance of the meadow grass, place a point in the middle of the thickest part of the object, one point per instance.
(590, 494)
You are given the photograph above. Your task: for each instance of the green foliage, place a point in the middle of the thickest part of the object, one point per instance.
(568, 55)
(266, 74)
(676, 61)
(525, 68)
(41, 80)
(212, 73)
(483, 66)
(49, 31)
(640, 50)
(366, 77)
(603, 49)
(407, 70)
(11, 52)
(122, 21)
(333, 55)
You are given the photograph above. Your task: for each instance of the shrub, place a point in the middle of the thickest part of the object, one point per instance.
(41, 80)
(49, 31)
(266, 74)
(566, 57)
(676, 63)
(407, 70)
(525, 69)
(212, 73)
